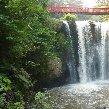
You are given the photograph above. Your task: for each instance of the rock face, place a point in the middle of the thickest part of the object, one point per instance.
(55, 67)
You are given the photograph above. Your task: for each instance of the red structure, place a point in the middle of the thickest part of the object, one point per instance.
(77, 10)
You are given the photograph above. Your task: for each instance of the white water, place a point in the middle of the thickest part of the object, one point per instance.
(70, 57)
(93, 52)
(94, 95)
(93, 92)
(105, 34)
(82, 51)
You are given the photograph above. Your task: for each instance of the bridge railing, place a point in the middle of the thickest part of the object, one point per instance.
(73, 9)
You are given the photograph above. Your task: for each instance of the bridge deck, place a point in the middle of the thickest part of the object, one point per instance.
(78, 10)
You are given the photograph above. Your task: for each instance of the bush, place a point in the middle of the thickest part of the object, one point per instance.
(9, 98)
(42, 101)
(69, 17)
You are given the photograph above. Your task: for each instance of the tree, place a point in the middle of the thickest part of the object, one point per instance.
(104, 4)
(27, 42)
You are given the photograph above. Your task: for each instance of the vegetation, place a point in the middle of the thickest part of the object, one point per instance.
(69, 17)
(28, 41)
(42, 101)
(31, 46)
(103, 4)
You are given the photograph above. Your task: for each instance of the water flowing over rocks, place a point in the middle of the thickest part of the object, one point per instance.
(91, 61)
(87, 62)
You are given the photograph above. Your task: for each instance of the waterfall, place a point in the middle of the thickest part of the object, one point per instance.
(82, 51)
(93, 51)
(104, 50)
(70, 54)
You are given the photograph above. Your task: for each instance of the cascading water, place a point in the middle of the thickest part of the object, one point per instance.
(70, 57)
(104, 51)
(93, 51)
(82, 52)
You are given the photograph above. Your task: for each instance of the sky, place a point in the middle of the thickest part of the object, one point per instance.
(89, 3)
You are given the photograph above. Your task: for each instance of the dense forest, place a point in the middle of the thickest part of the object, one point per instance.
(28, 46)
(31, 50)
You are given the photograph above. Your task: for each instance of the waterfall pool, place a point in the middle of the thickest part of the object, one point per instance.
(92, 95)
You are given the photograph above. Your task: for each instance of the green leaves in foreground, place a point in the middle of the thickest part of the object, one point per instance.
(5, 83)
(42, 101)
(8, 98)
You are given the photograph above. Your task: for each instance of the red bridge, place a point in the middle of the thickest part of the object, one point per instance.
(77, 10)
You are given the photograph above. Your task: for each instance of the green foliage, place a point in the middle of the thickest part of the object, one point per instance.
(60, 42)
(16, 105)
(104, 18)
(25, 32)
(23, 78)
(28, 40)
(41, 101)
(2, 100)
(5, 86)
(7, 98)
(39, 96)
(55, 24)
(103, 4)
(5, 83)
(69, 17)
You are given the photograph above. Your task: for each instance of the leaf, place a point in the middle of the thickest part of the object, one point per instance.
(23, 79)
